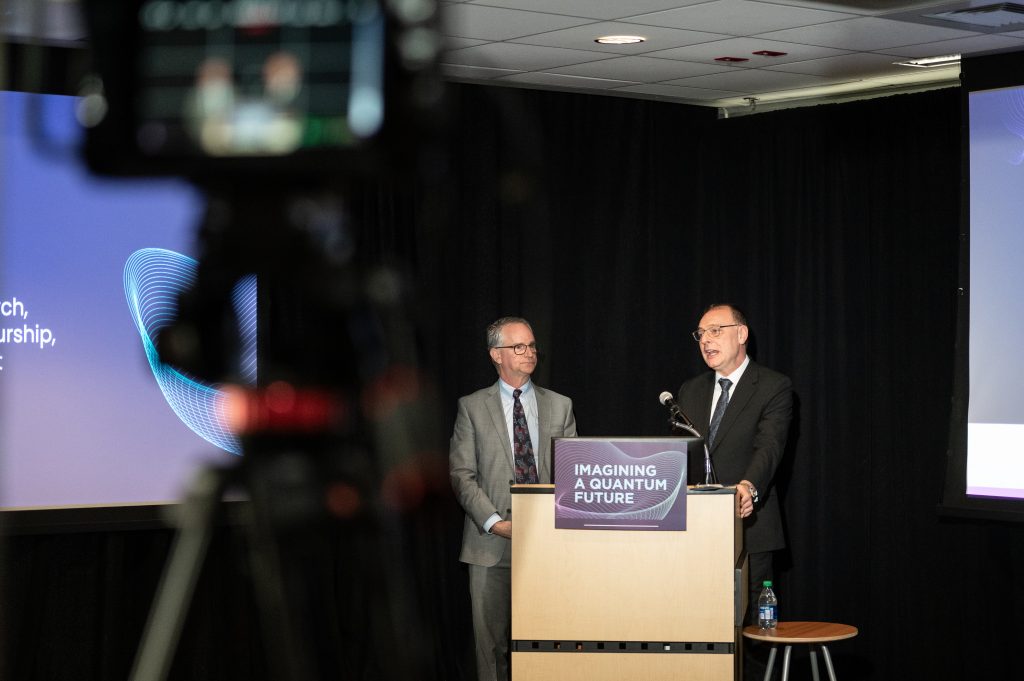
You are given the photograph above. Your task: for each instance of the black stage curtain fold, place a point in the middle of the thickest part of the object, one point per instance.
(611, 223)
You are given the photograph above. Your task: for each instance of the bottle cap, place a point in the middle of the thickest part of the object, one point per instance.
(767, 582)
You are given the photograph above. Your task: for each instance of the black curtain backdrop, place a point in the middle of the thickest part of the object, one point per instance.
(611, 223)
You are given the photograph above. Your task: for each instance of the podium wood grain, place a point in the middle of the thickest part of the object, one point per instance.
(614, 667)
(618, 585)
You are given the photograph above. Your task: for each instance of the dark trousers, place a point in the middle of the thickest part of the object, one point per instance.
(759, 569)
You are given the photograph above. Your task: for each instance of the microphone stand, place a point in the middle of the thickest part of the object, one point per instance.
(710, 479)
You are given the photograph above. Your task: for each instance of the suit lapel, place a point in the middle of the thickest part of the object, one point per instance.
(702, 417)
(740, 397)
(497, 413)
(543, 444)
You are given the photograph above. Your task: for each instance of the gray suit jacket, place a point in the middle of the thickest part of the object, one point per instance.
(481, 464)
(750, 442)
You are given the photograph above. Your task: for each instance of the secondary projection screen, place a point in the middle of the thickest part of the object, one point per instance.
(995, 416)
(986, 469)
(87, 268)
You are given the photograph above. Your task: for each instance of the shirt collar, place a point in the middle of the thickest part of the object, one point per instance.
(507, 389)
(737, 374)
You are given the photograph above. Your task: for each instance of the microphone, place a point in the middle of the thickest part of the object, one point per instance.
(666, 399)
(677, 415)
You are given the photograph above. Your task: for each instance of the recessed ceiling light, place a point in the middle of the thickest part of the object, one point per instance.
(931, 62)
(620, 39)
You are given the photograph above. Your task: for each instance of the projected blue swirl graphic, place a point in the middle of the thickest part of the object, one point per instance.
(1014, 117)
(153, 278)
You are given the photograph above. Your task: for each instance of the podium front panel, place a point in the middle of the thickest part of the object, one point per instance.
(620, 667)
(667, 598)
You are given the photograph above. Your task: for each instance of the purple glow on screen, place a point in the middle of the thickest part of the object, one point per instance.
(625, 484)
(996, 492)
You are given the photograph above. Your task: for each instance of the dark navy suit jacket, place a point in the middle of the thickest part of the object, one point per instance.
(749, 444)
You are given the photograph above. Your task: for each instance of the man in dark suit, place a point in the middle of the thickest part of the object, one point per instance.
(502, 434)
(745, 410)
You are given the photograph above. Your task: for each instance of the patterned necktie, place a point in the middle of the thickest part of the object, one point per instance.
(526, 463)
(716, 418)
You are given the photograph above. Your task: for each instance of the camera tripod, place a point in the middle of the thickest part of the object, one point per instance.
(335, 413)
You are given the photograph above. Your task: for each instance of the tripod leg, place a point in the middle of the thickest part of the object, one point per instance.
(174, 594)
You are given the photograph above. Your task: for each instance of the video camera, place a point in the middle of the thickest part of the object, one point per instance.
(269, 106)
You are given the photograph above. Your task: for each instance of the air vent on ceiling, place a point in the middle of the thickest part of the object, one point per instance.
(1004, 16)
(972, 15)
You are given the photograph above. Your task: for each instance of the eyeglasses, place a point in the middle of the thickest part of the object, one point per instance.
(711, 331)
(518, 348)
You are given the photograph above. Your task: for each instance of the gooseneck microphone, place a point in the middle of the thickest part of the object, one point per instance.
(678, 419)
(666, 399)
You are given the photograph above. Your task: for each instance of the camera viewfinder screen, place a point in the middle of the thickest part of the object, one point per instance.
(238, 78)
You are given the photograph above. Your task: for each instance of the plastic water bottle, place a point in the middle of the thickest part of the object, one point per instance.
(767, 607)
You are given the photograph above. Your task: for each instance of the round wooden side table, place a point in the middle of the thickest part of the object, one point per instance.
(814, 634)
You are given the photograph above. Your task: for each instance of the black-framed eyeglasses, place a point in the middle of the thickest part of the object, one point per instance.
(711, 331)
(518, 348)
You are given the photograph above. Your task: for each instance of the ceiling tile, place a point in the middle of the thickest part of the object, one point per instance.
(745, 47)
(497, 23)
(474, 72)
(753, 80)
(738, 17)
(960, 46)
(864, 7)
(641, 69)
(452, 43)
(582, 38)
(595, 9)
(677, 92)
(518, 57)
(563, 81)
(858, 65)
(866, 34)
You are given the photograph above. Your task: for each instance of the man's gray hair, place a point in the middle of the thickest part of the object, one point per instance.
(494, 330)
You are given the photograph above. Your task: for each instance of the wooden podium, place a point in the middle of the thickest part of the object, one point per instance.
(599, 605)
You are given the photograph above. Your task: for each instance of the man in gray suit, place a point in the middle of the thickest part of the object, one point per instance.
(502, 435)
(745, 410)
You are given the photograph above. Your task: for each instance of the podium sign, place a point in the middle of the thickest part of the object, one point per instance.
(620, 484)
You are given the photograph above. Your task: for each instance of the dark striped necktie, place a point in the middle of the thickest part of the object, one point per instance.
(716, 418)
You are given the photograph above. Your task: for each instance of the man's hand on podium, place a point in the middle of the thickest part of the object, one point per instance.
(744, 500)
(502, 528)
